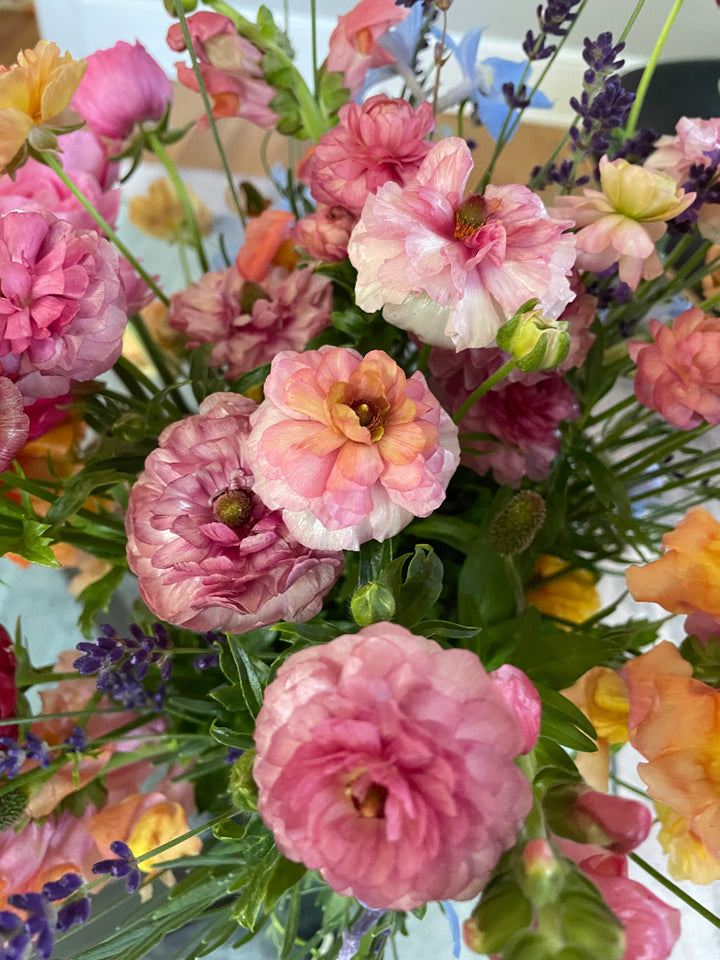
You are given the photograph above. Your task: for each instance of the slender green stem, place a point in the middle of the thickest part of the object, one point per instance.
(313, 26)
(679, 893)
(631, 22)
(220, 818)
(439, 61)
(52, 161)
(483, 389)
(180, 189)
(710, 302)
(156, 355)
(650, 69)
(180, 13)
(514, 577)
(629, 786)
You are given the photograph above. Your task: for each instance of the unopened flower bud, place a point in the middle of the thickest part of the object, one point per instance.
(535, 342)
(501, 913)
(514, 528)
(543, 872)
(243, 788)
(588, 924)
(187, 5)
(575, 811)
(373, 603)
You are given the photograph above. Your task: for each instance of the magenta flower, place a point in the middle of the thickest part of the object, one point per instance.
(678, 374)
(453, 270)
(325, 233)
(348, 448)
(122, 87)
(14, 429)
(386, 763)
(230, 66)
(353, 46)
(62, 306)
(250, 323)
(208, 553)
(376, 142)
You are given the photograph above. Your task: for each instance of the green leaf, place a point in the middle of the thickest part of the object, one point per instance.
(564, 723)
(291, 924)
(231, 738)
(96, 597)
(30, 544)
(444, 628)
(373, 557)
(252, 673)
(458, 534)
(78, 489)
(254, 378)
(485, 591)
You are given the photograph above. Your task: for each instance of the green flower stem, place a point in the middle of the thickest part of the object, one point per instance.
(180, 189)
(674, 888)
(480, 391)
(22, 721)
(439, 61)
(50, 160)
(180, 13)
(710, 302)
(155, 353)
(514, 578)
(611, 411)
(650, 69)
(313, 22)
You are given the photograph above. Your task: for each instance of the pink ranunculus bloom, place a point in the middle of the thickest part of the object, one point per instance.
(250, 323)
(376, 142)
(453, 270)
(348, 448)
(62, 306)
(325, 233)
(621, 223)
(36, 187)
(230, 66)
(386, 763)
(678, 374)
(137, 293)
(14, 429)
(522, 698)
(354, 47)
(694, 142)
(207, 551)
(122, 87)
(524, 417)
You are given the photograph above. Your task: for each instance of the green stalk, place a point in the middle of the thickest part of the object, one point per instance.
(50, 160)
(483, 389)
(220, 818)
(313, 24)
(180, 13)
(631, 22)
(650, 69)
(156, 355)
(674, 888)
(161, 153)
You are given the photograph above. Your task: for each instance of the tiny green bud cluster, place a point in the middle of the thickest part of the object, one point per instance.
(513, 529)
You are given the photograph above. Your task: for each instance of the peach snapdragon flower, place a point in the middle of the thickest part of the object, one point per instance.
(570, 595)
(622, 222)
(34, 91)
(602, 696)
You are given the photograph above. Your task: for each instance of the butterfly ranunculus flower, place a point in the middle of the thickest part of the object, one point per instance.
(621, 223)
(122, 87)
(375, 142)
(386, 763)
(62, 304)
(678, 374)
(453, 269)
(349, 448)
(353, 46)
(695, 141)
(207, 551)
(250, 323)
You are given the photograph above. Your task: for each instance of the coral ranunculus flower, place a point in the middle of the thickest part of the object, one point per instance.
(453, 270)
(386, 763)
(33, 91)
(686, 579)
(622, 222)
(678, 374)
(348, 448)
(207, 551)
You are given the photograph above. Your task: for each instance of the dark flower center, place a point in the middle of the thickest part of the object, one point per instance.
(470, 216)
(249, 295)
(233, 508)
(372, 806)
(372, 416)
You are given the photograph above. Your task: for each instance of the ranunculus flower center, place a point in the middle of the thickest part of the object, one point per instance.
(250, 294)
(470, 215)
(372, 805)
(233, 508)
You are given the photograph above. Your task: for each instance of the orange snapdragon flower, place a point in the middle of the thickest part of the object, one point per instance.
(686, 579)
(34, 91)
(675, 723)
(267, 242)
(602, 696)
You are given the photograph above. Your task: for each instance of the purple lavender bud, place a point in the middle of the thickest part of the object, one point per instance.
(77, 741)
(73, 914)
(59, 889)
(37, 750)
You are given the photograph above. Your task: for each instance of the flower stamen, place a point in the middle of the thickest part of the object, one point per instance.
(233, 508)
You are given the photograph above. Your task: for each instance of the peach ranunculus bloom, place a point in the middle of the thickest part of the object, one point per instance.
(34, 91)
(686, 579)
(675, 724)
(602, 696)
(622, 222)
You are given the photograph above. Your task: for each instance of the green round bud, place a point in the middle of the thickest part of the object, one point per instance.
(372, 603)
(12, 808)
(535, 342)
(187, 5)
(514, 528)
(243, 789)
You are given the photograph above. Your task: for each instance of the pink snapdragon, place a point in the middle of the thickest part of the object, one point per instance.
(386, 763)
(678, 374)
(453, 270)
(207, 551)
(122, 87)
(62, 306)
(375, 142)
(230, 66)
(354, 47)
(348, 448)
(250, 323)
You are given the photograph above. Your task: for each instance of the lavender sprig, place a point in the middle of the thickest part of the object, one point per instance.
(554, 20)
(13, 754)
(604, 104)
(123, 865)
(43, 920)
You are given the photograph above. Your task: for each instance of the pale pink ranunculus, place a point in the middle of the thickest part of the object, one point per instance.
(375, 142)
(122, 87)
(523, 700)
(250, 323)
(453, 270)
(348, 448)
(695, 141)
(678, 374)
(354, 49)
(207, 551)
(325, 233)
(386, 763)
(14, 427)
(230, 66)
(62, 305)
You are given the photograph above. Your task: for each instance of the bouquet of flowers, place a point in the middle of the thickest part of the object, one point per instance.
(358, 479)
